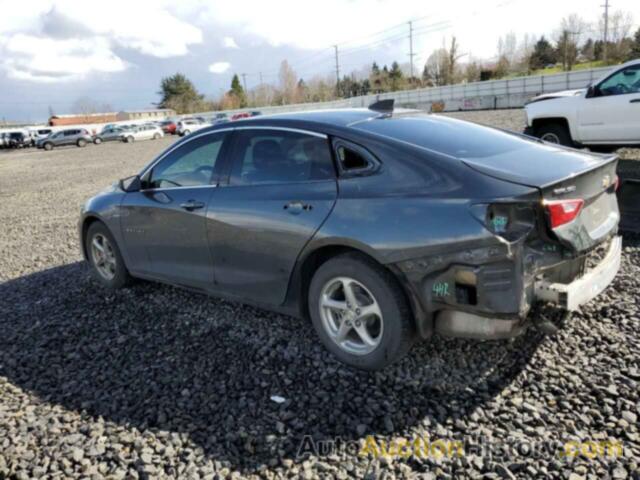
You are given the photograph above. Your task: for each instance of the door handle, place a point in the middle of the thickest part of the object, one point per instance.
(297, 207)
(192, 205)
(635, 100)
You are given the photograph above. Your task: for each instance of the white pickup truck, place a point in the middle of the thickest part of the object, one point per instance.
(603, 117)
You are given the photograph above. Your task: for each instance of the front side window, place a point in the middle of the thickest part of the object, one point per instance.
(265, 156)
(624, 81)
(192, 164)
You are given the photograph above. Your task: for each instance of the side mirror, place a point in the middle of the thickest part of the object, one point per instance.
(130, 184)
(592, 91)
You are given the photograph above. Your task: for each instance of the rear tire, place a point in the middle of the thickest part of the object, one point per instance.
(555, 133)
(97, 141)
(107, 265)
(81, 143)
(367, 341)
(156, 136)
(129, 139)
(48, 146)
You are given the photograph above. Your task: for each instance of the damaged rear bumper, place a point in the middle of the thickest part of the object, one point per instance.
(569, 296)
(503, 290)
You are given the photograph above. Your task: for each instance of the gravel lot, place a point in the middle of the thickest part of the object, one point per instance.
(153, 381)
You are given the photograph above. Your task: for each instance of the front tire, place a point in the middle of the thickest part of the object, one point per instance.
(129, 139)
(360, 312)
(555, 133)
(97, 141)
(81, 143)
(156, 136)
(107, 265)
(48, 146)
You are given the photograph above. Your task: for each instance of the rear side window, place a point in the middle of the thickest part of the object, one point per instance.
(264, 156)
(445, 135)
(350, 159)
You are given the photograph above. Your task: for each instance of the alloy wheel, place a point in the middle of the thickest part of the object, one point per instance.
(351, 315)
(550, 137)
(104, 257)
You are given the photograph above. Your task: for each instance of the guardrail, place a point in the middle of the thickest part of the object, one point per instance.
(490, 94)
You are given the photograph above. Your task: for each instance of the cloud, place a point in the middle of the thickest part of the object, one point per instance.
(51, 60)
(229, 42)
(66, 39)
(219, 67)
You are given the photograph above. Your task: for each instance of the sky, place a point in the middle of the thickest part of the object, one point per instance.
(53, 52)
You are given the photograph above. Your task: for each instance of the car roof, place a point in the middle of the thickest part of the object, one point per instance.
(336, 117)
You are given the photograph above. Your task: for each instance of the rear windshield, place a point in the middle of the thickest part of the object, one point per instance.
(445, 135)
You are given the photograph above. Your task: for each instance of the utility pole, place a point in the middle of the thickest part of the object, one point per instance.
(244, 82)
(606, 29)
(411, 54)
(337, 71)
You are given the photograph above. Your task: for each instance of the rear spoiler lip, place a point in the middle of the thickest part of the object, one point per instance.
(606, 160)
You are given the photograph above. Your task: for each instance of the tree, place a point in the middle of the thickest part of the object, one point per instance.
(288, 83)
(568, 38)
(454, 56)
(87, 106)
(634, 52)
(179, 93)
(395, 77)
(618, 43)
(588, 51)
(237, 92)
(543, 54)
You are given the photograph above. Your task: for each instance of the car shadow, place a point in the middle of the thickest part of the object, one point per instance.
(158, 358)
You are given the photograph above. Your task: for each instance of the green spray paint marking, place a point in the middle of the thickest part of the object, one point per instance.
(441, 289)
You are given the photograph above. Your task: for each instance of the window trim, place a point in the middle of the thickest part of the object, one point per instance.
(232, 157)
(372, 160)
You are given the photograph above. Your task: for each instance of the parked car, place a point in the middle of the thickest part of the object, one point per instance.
(109, 134)
(70, 136)
(381, 227)
(255, 113)
(43, 133)
(168, 127)
(19, 140)
(142, 132)
(4, 140)
(190, 125)
(240, 116)
(603, 117)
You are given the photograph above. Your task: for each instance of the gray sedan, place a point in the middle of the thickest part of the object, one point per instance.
(379, 227)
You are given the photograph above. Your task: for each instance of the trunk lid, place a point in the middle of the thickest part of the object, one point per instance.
(562, 175)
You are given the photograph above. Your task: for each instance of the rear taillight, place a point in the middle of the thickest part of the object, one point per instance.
(563, 211)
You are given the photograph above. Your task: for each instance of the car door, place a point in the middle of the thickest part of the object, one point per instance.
(164, 223)
(281, 188)
(612, 114)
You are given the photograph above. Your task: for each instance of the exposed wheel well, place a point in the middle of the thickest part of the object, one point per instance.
(85, 228)
(320, 256)
(539, 122)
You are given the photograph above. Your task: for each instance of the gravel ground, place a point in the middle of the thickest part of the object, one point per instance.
(154, 382)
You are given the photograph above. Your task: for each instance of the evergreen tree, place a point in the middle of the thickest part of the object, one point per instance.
(237, 91)
(179, 93)
(543, 54)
